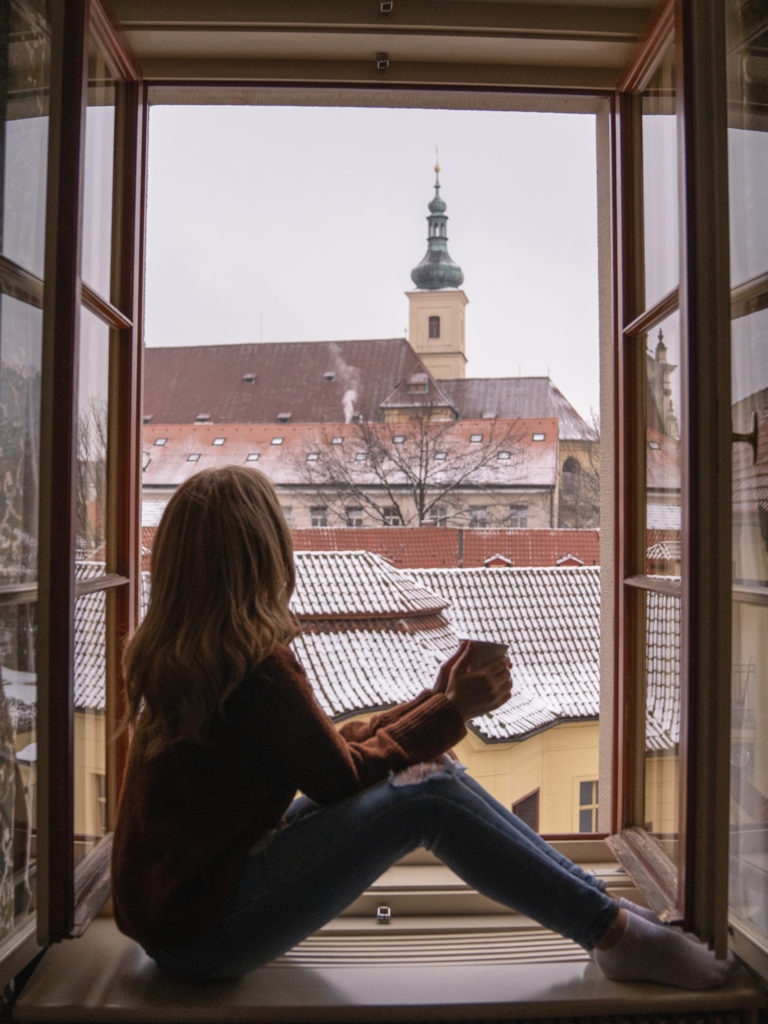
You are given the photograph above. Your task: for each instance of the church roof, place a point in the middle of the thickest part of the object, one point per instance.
(513, 397)
(329, 382)
(314, 381)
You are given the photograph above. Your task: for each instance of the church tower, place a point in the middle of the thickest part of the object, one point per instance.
(436, 310)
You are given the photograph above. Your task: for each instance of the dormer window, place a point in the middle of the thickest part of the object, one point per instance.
(203, 417)
(160, 441)
(441, 456)
(329, 376)
(537, 437)
(337, 440)
(475, 438)
(359, 456)
(147, 418)
(418, 383)
(283, 417)
(252, 457)
(398, 439)
(503, 455)
(193, 457)
(654, 445)
(219, 440)
(313, 457)
(249, 378)
(276, 440)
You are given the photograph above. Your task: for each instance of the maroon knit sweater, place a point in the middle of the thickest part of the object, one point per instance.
(189, 815)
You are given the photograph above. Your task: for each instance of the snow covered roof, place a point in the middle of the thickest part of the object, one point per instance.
(663, 517)
(174, 452)
(375, 635)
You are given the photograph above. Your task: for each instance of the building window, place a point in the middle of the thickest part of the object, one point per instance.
(329, 376)
(518, 516)
(252, 457)
(434, 327)
(276, 440)
(441, 456)
(313, 457)
(588, 806)
(249, 378)
(359, 456)
(354, 515)
(504, 456)
(160, 441)
(475, 438)
(202, 417)
(538, 436)
(398, 439)
(318, 515)
(439, 515)
(337, 440)
(288, 514)
(193, 457)
(527, 810)
(392, 516)
(478, 516)
(283, 417)
(219, 440)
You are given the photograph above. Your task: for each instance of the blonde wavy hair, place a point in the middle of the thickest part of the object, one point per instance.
(222, 577)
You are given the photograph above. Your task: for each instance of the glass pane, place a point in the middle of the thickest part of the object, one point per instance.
(662, 714)
(748, 184)
(20, 347)
(662, 448)
(98, 175)
(90, 759)
(18, 764)
(24, 36)
(92, 421)
(660, 200)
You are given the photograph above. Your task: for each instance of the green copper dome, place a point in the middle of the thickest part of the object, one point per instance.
(437, 269)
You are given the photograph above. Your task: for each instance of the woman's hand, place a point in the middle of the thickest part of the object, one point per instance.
(474, 691)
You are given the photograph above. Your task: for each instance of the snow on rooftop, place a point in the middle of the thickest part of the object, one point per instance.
(375, 635)
(664, 517)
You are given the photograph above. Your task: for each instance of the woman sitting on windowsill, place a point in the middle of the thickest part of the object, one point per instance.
(216, 867)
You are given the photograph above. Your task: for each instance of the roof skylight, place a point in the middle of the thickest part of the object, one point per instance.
(193, 456)
(219, 440)
(253, 457)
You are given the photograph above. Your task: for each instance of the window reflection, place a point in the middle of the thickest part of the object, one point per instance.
(92, 430)
(662, 714)
(25, 49)
(20, 340)
(18, 762)
(89, 704)
(660, 200)
(98, 173)
(662, 449)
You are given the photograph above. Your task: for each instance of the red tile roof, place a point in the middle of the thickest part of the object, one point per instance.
(433, 547)
(328, 382)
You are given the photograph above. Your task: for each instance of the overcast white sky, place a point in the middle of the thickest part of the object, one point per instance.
(300, 224)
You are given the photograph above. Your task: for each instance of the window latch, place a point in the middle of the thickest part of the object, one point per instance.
(750, 438)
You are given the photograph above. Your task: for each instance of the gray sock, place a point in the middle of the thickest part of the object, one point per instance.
(651, 952)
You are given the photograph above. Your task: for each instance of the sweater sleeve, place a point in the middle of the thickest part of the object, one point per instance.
(301, 741)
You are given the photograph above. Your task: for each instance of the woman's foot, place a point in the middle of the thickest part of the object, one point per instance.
(636, 949)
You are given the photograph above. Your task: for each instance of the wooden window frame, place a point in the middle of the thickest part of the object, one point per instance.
(693, 887)
(69, 895)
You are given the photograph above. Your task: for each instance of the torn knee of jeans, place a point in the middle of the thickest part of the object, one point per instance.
(415, 773)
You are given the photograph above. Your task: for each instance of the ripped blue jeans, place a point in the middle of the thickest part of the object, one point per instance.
(326, 856)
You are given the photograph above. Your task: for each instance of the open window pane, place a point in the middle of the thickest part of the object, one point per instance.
(748, 183)
(98, 173)
(18, 764)
(25, 49)
(89, 702)
(662, 448)
(662, 715)
(660, 202)
(20, 334)
(92, 421)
